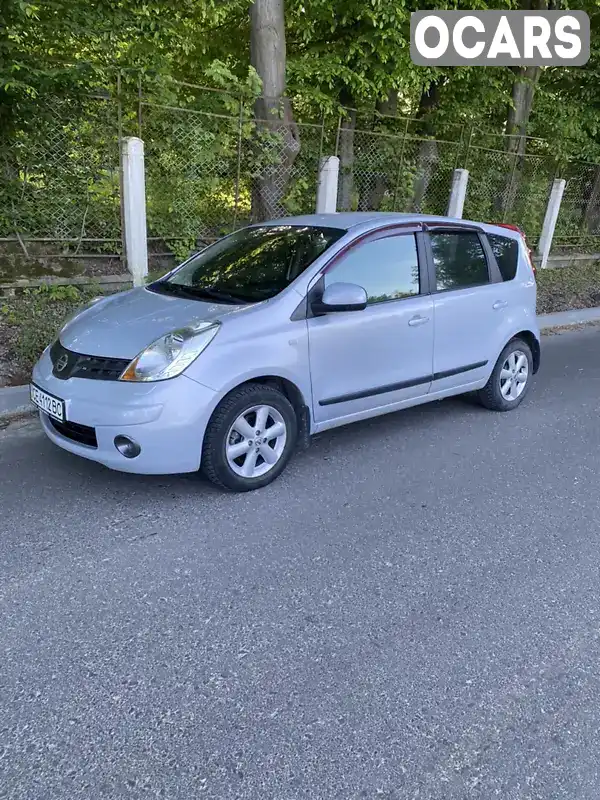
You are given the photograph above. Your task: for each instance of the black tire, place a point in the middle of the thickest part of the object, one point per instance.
(490, 396)
(215, 465)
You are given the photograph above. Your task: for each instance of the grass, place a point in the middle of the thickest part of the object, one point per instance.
(564, 289)
(31, 319)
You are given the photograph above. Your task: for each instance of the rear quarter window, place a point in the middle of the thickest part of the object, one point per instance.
(506, 252)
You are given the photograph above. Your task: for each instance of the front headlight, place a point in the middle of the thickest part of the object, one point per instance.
(168, 356)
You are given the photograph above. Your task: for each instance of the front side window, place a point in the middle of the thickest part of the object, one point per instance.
(387, 269)
(459, 260)
(252, 264)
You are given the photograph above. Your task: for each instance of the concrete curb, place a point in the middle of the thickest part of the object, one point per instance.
(577, 317)
(15, 399)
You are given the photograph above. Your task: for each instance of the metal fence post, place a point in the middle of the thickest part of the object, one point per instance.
(327, 187)
(238, 171)
(458, 193)
(134, 203)
(552, 209)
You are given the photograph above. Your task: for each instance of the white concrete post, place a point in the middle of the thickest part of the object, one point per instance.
(552, 209)
(134, 208)
(327, 188)
(458, 193)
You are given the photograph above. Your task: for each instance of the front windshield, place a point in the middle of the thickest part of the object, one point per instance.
(252, 264)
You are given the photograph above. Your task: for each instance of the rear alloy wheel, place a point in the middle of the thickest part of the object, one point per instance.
(249, 439)
(510, 380)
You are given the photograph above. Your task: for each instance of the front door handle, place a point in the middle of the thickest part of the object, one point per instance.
(418, 320)
(499, 304)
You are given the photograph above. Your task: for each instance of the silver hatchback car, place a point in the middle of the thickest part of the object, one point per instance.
(286, 329)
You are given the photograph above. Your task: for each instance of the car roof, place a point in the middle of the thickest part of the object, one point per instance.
(346, 220)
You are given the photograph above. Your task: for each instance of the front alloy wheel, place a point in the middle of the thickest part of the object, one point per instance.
(256, 441)
(250, 438)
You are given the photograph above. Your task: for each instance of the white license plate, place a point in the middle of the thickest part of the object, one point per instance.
(53, 406)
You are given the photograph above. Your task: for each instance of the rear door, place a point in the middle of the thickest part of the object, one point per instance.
(468, 310)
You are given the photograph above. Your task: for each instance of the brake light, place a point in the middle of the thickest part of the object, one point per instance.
(520, 232)
(533, 266)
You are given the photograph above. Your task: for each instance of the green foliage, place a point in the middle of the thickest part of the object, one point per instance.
(35, 316)
(59, 145)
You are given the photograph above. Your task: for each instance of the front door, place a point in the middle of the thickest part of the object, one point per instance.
(382, 355)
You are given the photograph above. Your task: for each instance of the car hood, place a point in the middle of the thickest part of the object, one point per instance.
(121, 326)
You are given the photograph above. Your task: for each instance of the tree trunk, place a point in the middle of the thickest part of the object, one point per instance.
(517, 121)
(278, 136)
(346, 153)
(592, 209)
(427, 156)
(373, 192)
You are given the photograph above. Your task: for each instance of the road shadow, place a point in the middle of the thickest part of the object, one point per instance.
(60, 466)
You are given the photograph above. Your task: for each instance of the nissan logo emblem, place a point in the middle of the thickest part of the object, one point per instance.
(62, 362)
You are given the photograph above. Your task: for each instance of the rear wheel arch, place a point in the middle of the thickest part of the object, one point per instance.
(534, 345)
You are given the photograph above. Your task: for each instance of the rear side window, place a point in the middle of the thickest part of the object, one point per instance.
(459, 260)
(506, 252)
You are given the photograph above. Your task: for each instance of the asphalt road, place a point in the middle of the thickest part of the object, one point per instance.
(411, 611)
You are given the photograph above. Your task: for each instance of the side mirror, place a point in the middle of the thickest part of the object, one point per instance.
(340, 297)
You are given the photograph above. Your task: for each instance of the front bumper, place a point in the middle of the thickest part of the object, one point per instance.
(167, 419)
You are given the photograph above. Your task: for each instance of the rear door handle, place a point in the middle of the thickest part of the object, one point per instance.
(499, 304)
(418, 320)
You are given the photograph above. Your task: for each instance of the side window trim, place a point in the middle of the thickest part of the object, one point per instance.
(492, 268)
(425, 285)
(397, 228)
(317, 286)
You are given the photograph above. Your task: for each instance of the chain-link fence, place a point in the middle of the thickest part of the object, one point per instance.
(402, 171)
(212, 167)
(59, 193)
(389, 166)
(578, 224)
(508, 183)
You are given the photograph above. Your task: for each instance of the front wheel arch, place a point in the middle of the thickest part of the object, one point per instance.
(290, 391)
(216, 460)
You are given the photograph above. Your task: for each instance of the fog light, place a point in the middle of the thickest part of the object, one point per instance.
(127, 447)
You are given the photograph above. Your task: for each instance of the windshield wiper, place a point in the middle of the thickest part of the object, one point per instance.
(225, 297)
(196, 293)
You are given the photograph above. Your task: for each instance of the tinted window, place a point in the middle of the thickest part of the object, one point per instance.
(506, 252)
(459, 260)
(252, 264)
(387, 269)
